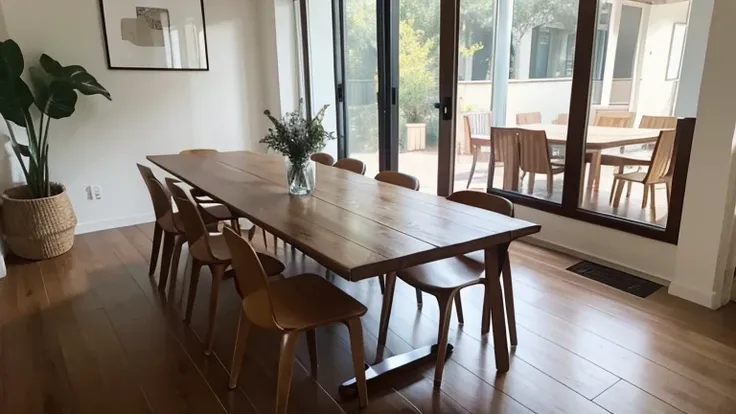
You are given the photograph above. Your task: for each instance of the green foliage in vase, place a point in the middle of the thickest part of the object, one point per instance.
(296, 137)
(56, 97)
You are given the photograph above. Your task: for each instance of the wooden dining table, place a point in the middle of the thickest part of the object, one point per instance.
(357, 227)
(598, 139)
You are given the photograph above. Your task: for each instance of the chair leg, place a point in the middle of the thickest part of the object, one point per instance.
(619, 192)
(382, 283)
(613, 190)
(218, 272)
(476, 150)
(235, 224)
(356, 348)
(178, 244)
(550, 184)
(240, 342)
(645, 198)
(628, 189)
(275, 242)
(167, 251)
(669, 189)
(388, 297)
(193, 282)
(459, 309)
(155, 247)
(508, 293)
(445, 302)
(532, 177)
(286, 369)
(251, 233)
(312, 345)
(653, 201)
(265, 240)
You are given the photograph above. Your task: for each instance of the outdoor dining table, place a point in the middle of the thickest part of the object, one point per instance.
(598, 139)
(357, 227)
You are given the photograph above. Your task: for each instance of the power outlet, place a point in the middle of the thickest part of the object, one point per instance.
(94, 192)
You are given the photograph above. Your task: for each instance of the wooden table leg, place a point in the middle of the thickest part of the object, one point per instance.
(595, 170)
(494, 258)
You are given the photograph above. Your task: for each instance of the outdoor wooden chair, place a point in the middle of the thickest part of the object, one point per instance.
(657, 173)
(658, 122)
(529, 118)
(562, 119)
(208, 250)
(477, 128)
(534, 158)
(291, 306)
(444, 279)
(505, 150)
(323, 158)
(351, 164)
(615, 119)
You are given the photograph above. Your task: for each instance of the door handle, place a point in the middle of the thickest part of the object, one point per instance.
(437, 105)
(446, 109)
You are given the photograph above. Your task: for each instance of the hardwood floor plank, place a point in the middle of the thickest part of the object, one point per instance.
(624, 398)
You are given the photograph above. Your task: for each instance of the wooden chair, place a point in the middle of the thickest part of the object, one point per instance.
(208, 250)
(562, 119)
(616, 119)
(351, 164)
(477, 124)
(659, 167)
(444, 279)
(505, 149)
(658, 122)
(323, 158)
(291, 306)
(529, 118)
(535, 159)
(168, 226)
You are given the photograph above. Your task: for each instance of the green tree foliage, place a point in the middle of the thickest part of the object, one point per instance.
(417, 70)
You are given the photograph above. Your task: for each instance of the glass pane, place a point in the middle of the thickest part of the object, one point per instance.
(361, 82)
(627, 168)
(531, 86)
(322, 69)
(474, 94)
(419, 32)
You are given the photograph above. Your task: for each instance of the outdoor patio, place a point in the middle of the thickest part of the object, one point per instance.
(423, 165)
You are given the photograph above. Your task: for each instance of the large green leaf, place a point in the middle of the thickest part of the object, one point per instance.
(60, 101)
(11, 60)
(76, 76)
(15, 99)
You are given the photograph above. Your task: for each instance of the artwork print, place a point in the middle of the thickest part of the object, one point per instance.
(159, 35)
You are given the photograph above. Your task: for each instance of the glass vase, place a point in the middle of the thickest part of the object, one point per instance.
(300, 177)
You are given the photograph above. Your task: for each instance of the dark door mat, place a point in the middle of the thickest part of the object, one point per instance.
(615, 278)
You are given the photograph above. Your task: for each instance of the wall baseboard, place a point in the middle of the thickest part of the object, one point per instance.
(707, 299)
(93, 226)
(583, 256)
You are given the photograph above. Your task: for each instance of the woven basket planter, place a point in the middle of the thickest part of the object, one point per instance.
(38, 228)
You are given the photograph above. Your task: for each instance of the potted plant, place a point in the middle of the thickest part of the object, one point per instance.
(297, 138)
(417, 84)
(37, 217)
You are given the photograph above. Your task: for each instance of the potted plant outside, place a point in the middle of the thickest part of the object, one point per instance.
(38, 219)
(417, 85)
(297, 138)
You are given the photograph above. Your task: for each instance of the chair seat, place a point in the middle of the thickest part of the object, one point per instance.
(623, 160)
(221, 252)
(638, 177)
(302, 302)
(447, 274)
(218, 212)
(557, 168)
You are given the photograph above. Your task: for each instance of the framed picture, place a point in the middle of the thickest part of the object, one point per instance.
(155, 34)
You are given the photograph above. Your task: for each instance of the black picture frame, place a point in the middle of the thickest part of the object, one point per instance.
(111, 66)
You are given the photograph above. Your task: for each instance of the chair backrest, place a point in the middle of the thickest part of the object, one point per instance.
(477, 123)
(400, 179)
(505, 145)
(323, 158)
(534, 151)
(658, 122)
(529, 118)
(662, 156)
(562, 119)
(351, 164)
(490, 202)
(194, 227)
(203, 152)
(249, 274)
(616, 119)
(159, 196)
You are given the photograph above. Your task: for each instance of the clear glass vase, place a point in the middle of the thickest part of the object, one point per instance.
(300, 177)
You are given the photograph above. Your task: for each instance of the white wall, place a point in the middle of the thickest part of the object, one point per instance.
(656, 94)
(151, 112)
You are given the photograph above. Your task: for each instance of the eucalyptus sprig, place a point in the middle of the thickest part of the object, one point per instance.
(296, 137)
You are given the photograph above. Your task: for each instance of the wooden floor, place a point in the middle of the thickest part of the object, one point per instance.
(86, 333)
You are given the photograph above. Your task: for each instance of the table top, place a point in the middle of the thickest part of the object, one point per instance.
(598, 137)
(354, 225)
